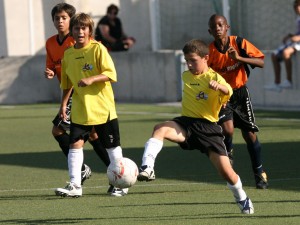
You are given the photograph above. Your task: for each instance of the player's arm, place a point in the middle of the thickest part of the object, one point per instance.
(295, 38)
(93, 79)
(217, 86)
(258, 62)
(64, 101)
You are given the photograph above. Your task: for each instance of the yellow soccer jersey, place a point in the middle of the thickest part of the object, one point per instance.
(198, 100)
(94, 104)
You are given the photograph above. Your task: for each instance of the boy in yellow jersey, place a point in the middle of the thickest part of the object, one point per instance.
(55, 47)
(88, 68)
(204, 93)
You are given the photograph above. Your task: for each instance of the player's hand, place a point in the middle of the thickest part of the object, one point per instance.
(63, 113)
(49, 74)
(214, 85)
(232, 52)
(85, 82)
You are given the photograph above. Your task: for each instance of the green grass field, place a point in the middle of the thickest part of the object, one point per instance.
(187, 189)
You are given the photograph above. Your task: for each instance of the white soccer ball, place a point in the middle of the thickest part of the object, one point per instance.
(122, 173)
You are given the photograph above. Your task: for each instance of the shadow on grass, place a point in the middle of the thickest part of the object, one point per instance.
(281, 162)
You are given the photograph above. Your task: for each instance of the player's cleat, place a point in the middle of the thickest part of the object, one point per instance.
(69, 191)
(86, 173)
(110, 189)
(246, 206)
(146, 174)
(230, 156)
(261, 180)
(118, 192)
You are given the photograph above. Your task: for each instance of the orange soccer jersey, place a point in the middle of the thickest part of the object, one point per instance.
(55, 51)
(232, 71)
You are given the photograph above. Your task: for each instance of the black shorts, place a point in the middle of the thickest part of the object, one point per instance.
(201, 134)
(239, 109)
(108, 133)
(59, 122)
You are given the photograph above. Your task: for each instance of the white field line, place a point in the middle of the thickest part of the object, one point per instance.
(165, 114)
(144, 185)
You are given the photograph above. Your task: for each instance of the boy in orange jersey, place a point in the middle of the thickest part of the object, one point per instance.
(229, 56)
(55, 47)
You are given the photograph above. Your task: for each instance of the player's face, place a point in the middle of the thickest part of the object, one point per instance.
(297, 9)
(195, 63)
(62, 22)
(81, 35)
(218, 27)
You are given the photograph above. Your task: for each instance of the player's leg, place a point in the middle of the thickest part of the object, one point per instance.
(59, 132)
(110, 138)
(287, 56)
(99, 148)
(277, 69)
(62, 137)
(254, 149)
(223, 166)
(245, 120)
(169, 130)
(226, 122)
(78, 135)
(101, 152)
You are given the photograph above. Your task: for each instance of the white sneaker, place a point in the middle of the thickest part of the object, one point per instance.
(69, 191)
(246, 206)
(146, 174)
(286, 84)
(273, 87)
(118, 192)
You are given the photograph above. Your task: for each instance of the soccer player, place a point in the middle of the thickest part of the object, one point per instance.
(88, 68)
(231, 62)
(55, 47)
(204, 93)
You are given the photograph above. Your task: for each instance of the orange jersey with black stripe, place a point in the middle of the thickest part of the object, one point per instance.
(232, 71)
(55, 52)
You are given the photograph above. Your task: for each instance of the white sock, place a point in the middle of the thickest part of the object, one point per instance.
(237, 190)
(75, 160)
(152, 147)
(114, 153)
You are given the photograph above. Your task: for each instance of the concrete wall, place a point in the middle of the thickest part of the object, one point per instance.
(142, 77)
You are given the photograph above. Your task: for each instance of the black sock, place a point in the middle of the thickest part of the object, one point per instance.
(101, 151)
(63, 141)
(254, 150)
(228, 143)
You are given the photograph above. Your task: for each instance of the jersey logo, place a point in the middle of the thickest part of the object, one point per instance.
(87, 67)
(201, 95)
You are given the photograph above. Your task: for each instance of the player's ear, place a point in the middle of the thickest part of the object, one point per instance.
(209, 31)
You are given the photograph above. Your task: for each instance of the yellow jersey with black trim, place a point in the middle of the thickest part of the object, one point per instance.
(198, 100)
(93, 104)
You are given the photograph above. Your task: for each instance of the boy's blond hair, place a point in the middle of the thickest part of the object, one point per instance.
(82, 19)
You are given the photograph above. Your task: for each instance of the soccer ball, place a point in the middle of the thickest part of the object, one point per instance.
(122, 173)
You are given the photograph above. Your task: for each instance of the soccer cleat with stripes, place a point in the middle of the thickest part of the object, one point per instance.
(69, 191)
(246, 206)
(261, 180)
(146, 174)
(118, 192)
(86, 173)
